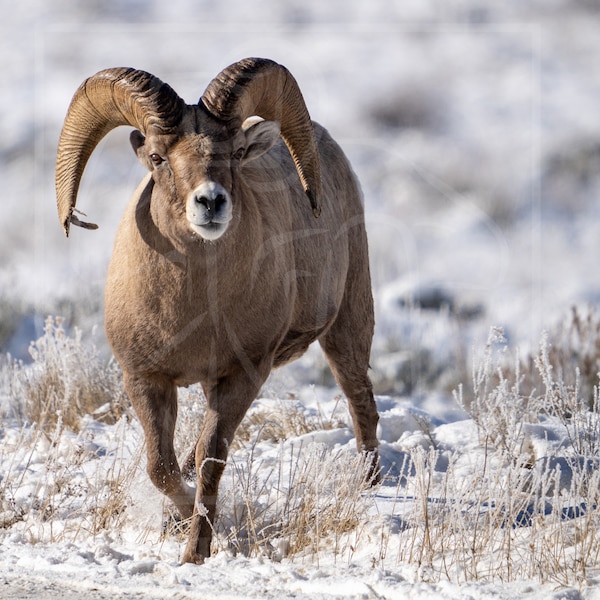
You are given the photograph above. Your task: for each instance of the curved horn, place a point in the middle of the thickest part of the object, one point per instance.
(110, 98)
(261, 87)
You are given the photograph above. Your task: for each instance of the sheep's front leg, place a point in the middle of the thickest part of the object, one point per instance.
(227, 402)
(155, 402)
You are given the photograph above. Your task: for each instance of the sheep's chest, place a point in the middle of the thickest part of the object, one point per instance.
(197, 327)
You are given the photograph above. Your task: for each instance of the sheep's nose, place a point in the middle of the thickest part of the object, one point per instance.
(206, 203)
(211, 204)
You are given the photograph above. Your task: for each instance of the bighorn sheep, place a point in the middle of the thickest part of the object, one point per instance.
(220, 272)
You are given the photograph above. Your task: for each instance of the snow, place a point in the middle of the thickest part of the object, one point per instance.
(115, 564)
(473, 128)
(255, 579)
(70, 474)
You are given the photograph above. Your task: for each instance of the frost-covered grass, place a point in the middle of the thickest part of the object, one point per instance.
(66, 381)
(507, 491)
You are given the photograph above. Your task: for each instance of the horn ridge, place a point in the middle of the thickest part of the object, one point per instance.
(109, 99)
(262, 87)
(224, 93)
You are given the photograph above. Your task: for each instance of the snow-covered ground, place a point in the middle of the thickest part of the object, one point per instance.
(82, 519)
(474, 130)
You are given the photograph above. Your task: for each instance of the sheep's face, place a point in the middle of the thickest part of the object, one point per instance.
(196, 171)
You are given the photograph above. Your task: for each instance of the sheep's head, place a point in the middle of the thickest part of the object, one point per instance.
(195, 169)
(194, 151)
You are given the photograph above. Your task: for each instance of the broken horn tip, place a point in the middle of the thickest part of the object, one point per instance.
(73, 220)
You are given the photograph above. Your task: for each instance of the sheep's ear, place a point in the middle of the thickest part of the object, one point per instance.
(137, 141)
(260, 138)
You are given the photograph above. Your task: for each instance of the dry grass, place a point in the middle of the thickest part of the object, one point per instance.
(506, 507)
(66, 381)
(312, 500)
(489, 521)
(308, 498)
(57, 483)
(572, 354)
(286, 419)
(501, 511)
(61, 487)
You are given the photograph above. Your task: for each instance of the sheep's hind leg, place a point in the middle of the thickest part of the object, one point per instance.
(347, 347)
(155, 403)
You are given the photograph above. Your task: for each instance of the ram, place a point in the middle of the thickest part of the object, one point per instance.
(220, 271)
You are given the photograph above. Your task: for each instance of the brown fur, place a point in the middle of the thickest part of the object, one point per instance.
(182, 310)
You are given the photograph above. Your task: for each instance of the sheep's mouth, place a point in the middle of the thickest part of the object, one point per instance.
(209, 231)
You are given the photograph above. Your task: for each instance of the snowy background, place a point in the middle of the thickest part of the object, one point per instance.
(474, 129)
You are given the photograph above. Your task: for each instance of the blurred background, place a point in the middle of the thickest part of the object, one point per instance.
(474, 130)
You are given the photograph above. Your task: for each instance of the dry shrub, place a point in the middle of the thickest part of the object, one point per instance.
(496, 402)
(66, 381)
(501, 511)
(283, 420)
(572, 354)
(57, 483)
(559, 381)
(487, 519)
(59, 486)
(313, 499)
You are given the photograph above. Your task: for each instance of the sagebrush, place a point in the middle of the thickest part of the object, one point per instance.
(66, 380)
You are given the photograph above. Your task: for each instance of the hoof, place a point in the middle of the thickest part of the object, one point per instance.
(192, 558)
(197, 550)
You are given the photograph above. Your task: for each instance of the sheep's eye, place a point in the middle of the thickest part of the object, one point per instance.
(156, 158)
(237, 155)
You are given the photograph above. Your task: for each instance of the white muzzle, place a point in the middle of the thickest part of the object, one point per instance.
(208, 210)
